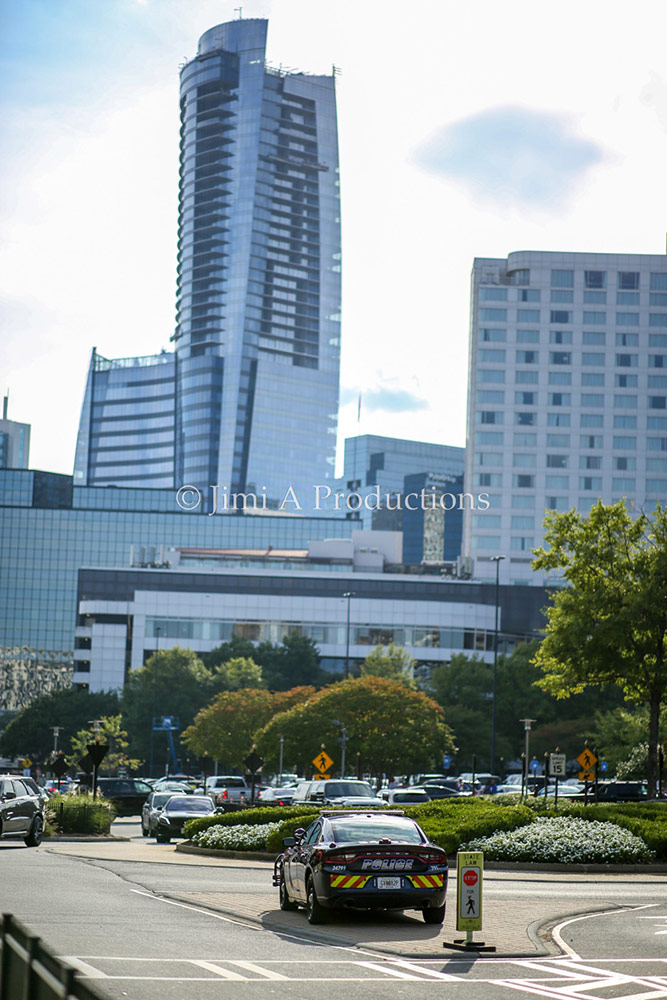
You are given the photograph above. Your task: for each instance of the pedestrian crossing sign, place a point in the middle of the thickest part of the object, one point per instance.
(469, 873)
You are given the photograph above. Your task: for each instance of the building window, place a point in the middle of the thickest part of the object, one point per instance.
(492, 335)
(526, 357)
(561, 296)
(491, 315)
(593, 338)
(490, 375)
(595, 298)
(655, 444)
(591, 420)
(494, 293)
(656, 403)
(491, 396)
(528, 315)
(592, 378)
(525, 439)
(590, 462)
(560, 378)
(658, 281)
(558, 419)
(489, 437)
(626, 381)
(590, 482)
(627, 299)
(526, 398)
(657, 360)
(557, 482)
(595, 318)
(560, 336)
(527, 336)
(556, 461)
(561, 316)
(521, 543)
(627, 319)
(625, 442)
(625, 463)
(524, 460)
(592, 399)
(491, 417)
(657, 381)
(624, 423)
(489, 458)
(593, 441)
(627, 340)
(627, 360)
(491, 356)
(559, 399)
(558, 440)
(628, 280)
(590, 358)
(657, 319)
(526, 377)
(524, 481)
(625, 402)
(560, 357)
(519, 277)
(595, 279)
(528, 295)
(562, 279)
(556, 503)
(488, 479)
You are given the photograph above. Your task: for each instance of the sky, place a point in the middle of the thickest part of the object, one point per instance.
(465, 129)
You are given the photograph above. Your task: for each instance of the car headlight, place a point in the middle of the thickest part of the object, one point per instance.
(163, 819)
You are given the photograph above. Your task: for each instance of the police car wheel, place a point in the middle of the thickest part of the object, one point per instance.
(316, 913)
(433, 914)
(285, 902)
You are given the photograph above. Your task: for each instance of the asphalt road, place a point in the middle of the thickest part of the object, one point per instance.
(128, 927)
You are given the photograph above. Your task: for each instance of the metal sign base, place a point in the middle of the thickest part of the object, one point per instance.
(468, 944)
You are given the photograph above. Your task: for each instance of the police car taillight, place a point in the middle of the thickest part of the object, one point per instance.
(432, 858)
(339, 859)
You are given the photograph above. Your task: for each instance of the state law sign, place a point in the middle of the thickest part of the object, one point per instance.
(469, 873)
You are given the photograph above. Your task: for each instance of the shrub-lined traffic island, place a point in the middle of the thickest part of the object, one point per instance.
(519, 832)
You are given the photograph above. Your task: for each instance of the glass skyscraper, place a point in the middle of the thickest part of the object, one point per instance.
(255, 371)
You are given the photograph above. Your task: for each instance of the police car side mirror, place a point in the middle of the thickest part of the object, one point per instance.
(299, 834)
(289, 841)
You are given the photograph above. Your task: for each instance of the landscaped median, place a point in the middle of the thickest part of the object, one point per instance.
(596, 834)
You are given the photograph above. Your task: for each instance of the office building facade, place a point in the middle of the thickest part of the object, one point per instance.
(567, 400)
(252, 387)
(14, 441)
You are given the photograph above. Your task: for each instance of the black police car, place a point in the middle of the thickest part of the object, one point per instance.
(21, 811)
(371, 860)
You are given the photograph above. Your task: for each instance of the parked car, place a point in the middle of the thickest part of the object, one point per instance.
(337, 792)
(371, 860)
(228, 790)
(411, 795)
(21, 811)
(177, 811)
(277, 796)
(151, 809)
(454, 784)
(127, 794)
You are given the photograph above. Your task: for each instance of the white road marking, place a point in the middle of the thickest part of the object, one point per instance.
(89, 971)
(387, 970)
(251, 967)
(556, 932)
(219, 971)
(427, 972)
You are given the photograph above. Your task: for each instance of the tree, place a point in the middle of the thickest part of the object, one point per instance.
(109, 734)
(239, 672)
(393, 728)
(226, 728)
(293, 662)
(30, 732)
(608, 624)
(393, 662)
(173, 682)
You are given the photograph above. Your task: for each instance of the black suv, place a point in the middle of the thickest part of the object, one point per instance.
(21, 811)
(127, 794)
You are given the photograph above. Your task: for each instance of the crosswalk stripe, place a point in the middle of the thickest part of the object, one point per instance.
(219, 971)
(388, 970)
(258, 969)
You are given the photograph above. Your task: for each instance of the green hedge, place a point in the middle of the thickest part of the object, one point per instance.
(453, 822)
(76, 813)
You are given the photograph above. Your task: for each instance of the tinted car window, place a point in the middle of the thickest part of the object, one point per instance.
(371, 830)
(189, 803)
(158, 799)
(336, 788)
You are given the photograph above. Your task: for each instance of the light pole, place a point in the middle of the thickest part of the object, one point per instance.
(282, 745)
(349, 594)
(158, 629)
(497, 560)
(526, 726)
(343, 742)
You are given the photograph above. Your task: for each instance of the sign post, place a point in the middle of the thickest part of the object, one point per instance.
(587, 761)
(469, 876)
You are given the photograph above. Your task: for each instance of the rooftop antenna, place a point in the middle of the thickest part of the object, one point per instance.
(5, 406)
(239, 10)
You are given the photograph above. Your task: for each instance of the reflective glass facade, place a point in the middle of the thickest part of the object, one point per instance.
(249, 399)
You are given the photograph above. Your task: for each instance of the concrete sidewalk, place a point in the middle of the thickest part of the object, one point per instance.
(517, 925)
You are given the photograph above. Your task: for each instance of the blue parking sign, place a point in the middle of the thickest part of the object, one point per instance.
(534, 766)
(446, 761)
(603, 765)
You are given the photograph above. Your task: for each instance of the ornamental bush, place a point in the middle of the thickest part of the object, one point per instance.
(564, 840)
(78, 813)
(245, 817)
(242, 837)
(451, 823)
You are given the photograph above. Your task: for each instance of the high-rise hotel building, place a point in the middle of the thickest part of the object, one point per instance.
(249, 398)
(567, 399)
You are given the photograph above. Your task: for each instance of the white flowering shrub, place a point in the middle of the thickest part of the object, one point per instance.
(241, 837)
(564, 841)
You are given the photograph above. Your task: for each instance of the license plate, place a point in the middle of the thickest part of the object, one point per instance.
(389, 883)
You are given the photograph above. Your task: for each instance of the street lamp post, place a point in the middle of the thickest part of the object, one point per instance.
(497, 560)
(158, 629)
(526, 726)
(282, 746)
(349, 595)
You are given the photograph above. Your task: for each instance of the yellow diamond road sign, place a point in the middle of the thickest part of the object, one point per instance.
(323, 762)
(587, 759)
(587, 776)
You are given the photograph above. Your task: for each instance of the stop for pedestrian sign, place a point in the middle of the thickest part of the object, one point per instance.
(469, 868)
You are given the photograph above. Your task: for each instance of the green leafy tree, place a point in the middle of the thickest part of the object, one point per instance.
(110, 734)
(29, 732)
(392, 662)
(608, 624)
(392, 727)
(292, 663)
(226, 728)
(616, 733)
(173, 682)
(226, 651)
(239, 672)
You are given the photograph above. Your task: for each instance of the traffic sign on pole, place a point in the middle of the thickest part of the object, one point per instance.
(587, 759)
(557, 762)
(323, 761)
